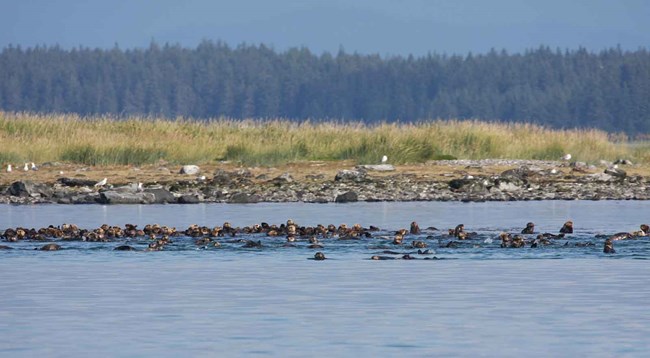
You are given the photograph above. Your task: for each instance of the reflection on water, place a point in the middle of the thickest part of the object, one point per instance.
(234, 302)
(548, 215)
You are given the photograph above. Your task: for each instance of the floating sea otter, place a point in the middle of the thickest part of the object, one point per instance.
(415, 228)
(530, 228)
(419, 244)
(50, 247)
(567, 228)
(540, 240)
(645, 230)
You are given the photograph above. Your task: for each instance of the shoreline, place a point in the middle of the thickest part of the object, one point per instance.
(325, 182)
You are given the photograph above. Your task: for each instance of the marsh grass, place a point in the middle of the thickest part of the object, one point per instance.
(136, 141)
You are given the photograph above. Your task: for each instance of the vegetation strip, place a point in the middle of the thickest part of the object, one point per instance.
(103, 141)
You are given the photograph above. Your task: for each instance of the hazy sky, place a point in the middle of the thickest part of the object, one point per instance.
(387, 27)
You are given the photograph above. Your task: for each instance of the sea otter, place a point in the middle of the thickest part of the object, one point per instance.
(50, 247)
(252, 244)
(314, 243)
(620, 236)
(644, 231)
(377, 257)
(540, 240)
(415, 228)
(419, 244)
(609, 247)
(530, 228)
(567, 228)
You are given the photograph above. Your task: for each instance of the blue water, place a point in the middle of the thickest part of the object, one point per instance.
(87, 300)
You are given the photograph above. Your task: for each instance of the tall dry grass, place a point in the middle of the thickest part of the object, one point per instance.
(108, 141)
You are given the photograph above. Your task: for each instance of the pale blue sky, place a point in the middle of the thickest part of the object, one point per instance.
(367, 26)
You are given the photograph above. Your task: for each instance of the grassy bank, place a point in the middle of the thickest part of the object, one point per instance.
(106, 141)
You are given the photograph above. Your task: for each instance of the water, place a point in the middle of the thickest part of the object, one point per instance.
(474, 301)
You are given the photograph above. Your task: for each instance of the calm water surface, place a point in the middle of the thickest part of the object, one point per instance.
(88, 300)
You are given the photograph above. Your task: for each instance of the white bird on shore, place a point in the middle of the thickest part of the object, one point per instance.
(34, 167)
(384, 159)
(8, 168)
(566, 157)
(26, 167)
(101, 182)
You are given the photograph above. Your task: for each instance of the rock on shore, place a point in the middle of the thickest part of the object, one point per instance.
(530, 180)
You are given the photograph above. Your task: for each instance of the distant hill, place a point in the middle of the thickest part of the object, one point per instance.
(608, 90)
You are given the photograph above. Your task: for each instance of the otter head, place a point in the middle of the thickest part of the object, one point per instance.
(415, 228)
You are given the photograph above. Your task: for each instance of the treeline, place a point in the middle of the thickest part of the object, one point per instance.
(564, 89)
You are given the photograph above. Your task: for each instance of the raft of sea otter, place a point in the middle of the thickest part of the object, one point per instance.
(156, 237)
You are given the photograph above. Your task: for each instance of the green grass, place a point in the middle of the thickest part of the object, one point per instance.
(137, 141)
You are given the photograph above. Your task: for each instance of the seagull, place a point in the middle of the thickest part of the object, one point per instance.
(34, 167)
(566, 157)
(102, 182)
(26, 167)
(384, 159)
(8, 168)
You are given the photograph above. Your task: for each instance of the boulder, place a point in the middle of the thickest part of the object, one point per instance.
(243, 198)
(161, 196)
(351, 175)
(222, 177)
(347, 197)
(518, 174)
(506, 185)
(129, 188)
(190, 169)
(460, 184)
(114, 197)
(90, 198)
(283, 179)
(188, 199)
(28, 188)
(377, 167)
(616, 172)
(598, 177)
(76, 182)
